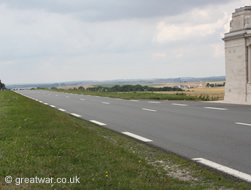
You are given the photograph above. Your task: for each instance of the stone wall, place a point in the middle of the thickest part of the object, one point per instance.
(238, 57)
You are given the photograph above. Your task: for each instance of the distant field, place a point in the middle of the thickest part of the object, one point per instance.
(216, 93)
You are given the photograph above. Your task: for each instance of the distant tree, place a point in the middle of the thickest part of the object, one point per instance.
(2, 85)
(208, 84)
(53, 88)
(81, 88)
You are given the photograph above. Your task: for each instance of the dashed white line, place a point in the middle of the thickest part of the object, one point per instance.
(76, 115)
(67, 96)
(137, 137)
(60, 109)
(52, 106)
(105, 102)
(134, 100)
(45, 103)
(41, 101)
(153, 102)
(246, 124)
(145, 109)
(224, 169)
(97, 122)
(214, 108)
(179, 104)
(82, 99)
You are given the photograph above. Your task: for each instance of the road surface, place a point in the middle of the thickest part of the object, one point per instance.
(214, 134)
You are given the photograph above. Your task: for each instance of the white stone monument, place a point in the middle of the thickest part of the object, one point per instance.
(238, 57)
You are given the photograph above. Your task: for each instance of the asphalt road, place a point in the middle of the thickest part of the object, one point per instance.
(213, 132)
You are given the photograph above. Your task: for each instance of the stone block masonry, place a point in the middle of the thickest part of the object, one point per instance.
(238, 57)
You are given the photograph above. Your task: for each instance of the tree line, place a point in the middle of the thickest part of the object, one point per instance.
(127, 88)
(2, 86)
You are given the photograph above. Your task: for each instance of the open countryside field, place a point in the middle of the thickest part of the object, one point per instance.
(216, 93)
(38, 140)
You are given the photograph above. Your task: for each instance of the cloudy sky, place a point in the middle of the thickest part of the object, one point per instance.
(69, 40)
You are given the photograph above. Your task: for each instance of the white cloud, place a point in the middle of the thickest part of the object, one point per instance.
(183, 51)
(218, 49)
(159, 54)
(185, 31)
(7, 62)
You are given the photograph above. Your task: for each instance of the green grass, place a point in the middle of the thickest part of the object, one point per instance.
(37, 140)
(134, 95)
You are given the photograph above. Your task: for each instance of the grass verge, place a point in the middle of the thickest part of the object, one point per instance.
(37, 140)
(134, 95)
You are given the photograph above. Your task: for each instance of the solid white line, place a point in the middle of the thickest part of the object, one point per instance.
(76, 115)
(224, 169)
(214, 108)
(105, 102)
(52, 106)
(179, 104)
(60, 109)
(134, 100)
(137, 137)
(98, 123)
(152, 102)
(246, 124)
(145, 109)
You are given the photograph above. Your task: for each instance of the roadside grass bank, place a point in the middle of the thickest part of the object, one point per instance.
(135, 95)
(37, 140)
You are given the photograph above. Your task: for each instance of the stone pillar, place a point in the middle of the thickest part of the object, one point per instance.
(238, 57)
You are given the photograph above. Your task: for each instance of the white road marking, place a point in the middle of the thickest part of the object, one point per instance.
(179, 104)
(224, 169)
(137, 137)
(246, 124)
(134, 100)
(52, 106)
(67, 96)
(41, 101)
(214, 108)
(145, 109)
(98, 123)
(45, 103)
(152, 102)
(60, 109)
(82, 99)
(56, 95)
(105, 102)
(76, 115)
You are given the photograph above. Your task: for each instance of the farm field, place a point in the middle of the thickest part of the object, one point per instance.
(216, 93)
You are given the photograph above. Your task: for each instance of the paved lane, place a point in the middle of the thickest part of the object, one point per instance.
(220, 133)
